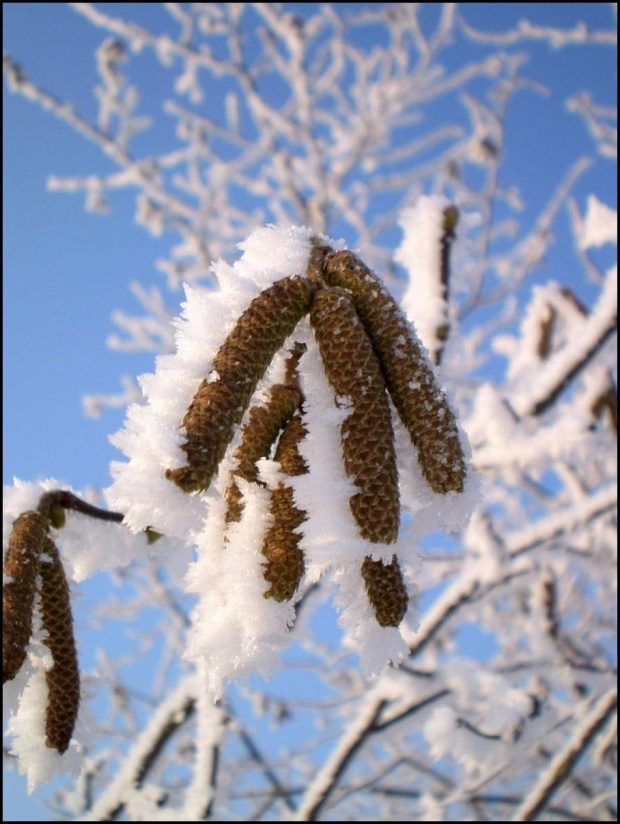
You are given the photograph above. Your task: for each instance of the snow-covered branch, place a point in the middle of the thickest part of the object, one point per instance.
(561, 766)
(557, 38)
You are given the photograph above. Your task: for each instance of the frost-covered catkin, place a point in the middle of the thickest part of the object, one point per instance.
(386, 590)
(264, 425)
(63, 679)
(421, 404)
(21, 567)
(366, 434)
(221, 399)
(285, 565)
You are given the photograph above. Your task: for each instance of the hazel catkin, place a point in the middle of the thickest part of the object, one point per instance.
(260, 433)
(367, 437)
(21, 567)
(420, 402)
(386, 590)
(63, 679)
(284, 565)
(219, 404)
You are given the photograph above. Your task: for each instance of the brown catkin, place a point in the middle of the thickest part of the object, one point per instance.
(420, 402)
(366, 434)
(63, 679)
(219, 405)
(285, 566)
(259, 434)
(21, 567)
(287, 453)
(450, 220)
(386, 590)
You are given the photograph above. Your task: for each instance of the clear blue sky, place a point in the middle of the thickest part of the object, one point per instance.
(67, 270)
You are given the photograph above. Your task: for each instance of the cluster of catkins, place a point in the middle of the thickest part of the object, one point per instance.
(35, 582)
(370, 354)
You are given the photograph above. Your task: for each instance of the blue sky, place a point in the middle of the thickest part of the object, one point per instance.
(67, 270)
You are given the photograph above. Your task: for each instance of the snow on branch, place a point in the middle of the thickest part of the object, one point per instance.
(600, 121)
(326, 780)
(562, 764)
(178, 708)
(301, 159)
(554, 525)
(557, 38)
(138, 173)
(558, 371)
(94, 405)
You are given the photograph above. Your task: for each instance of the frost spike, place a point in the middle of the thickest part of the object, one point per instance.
(386, 590)
(285, 565)
(264, 425)
(63, 679)
(219, 406)
(21, 566)
(367, 437)
(420, 402)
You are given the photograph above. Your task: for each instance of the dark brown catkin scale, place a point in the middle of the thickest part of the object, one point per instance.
(420, 402)
(21, 567)
(220, 403)
(259, 434)
(287, 452)
(367, 437)
(386, 590)
(285, 566)
(63, 679)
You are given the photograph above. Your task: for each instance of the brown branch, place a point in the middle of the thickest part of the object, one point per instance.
(215, 764)
(607, 401)
(260, 759)
(414, 708)
(547, 325)
(450, 220)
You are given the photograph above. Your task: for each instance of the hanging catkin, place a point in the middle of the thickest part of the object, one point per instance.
(21, 567)
(285, 566)
(450, 219)
(386, 590)
(366, 434)
(264, 425)
(63, 679)
(420, 402)
(220, 403)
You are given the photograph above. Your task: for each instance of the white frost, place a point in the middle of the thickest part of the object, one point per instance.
(420, 254)
(600, 225)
